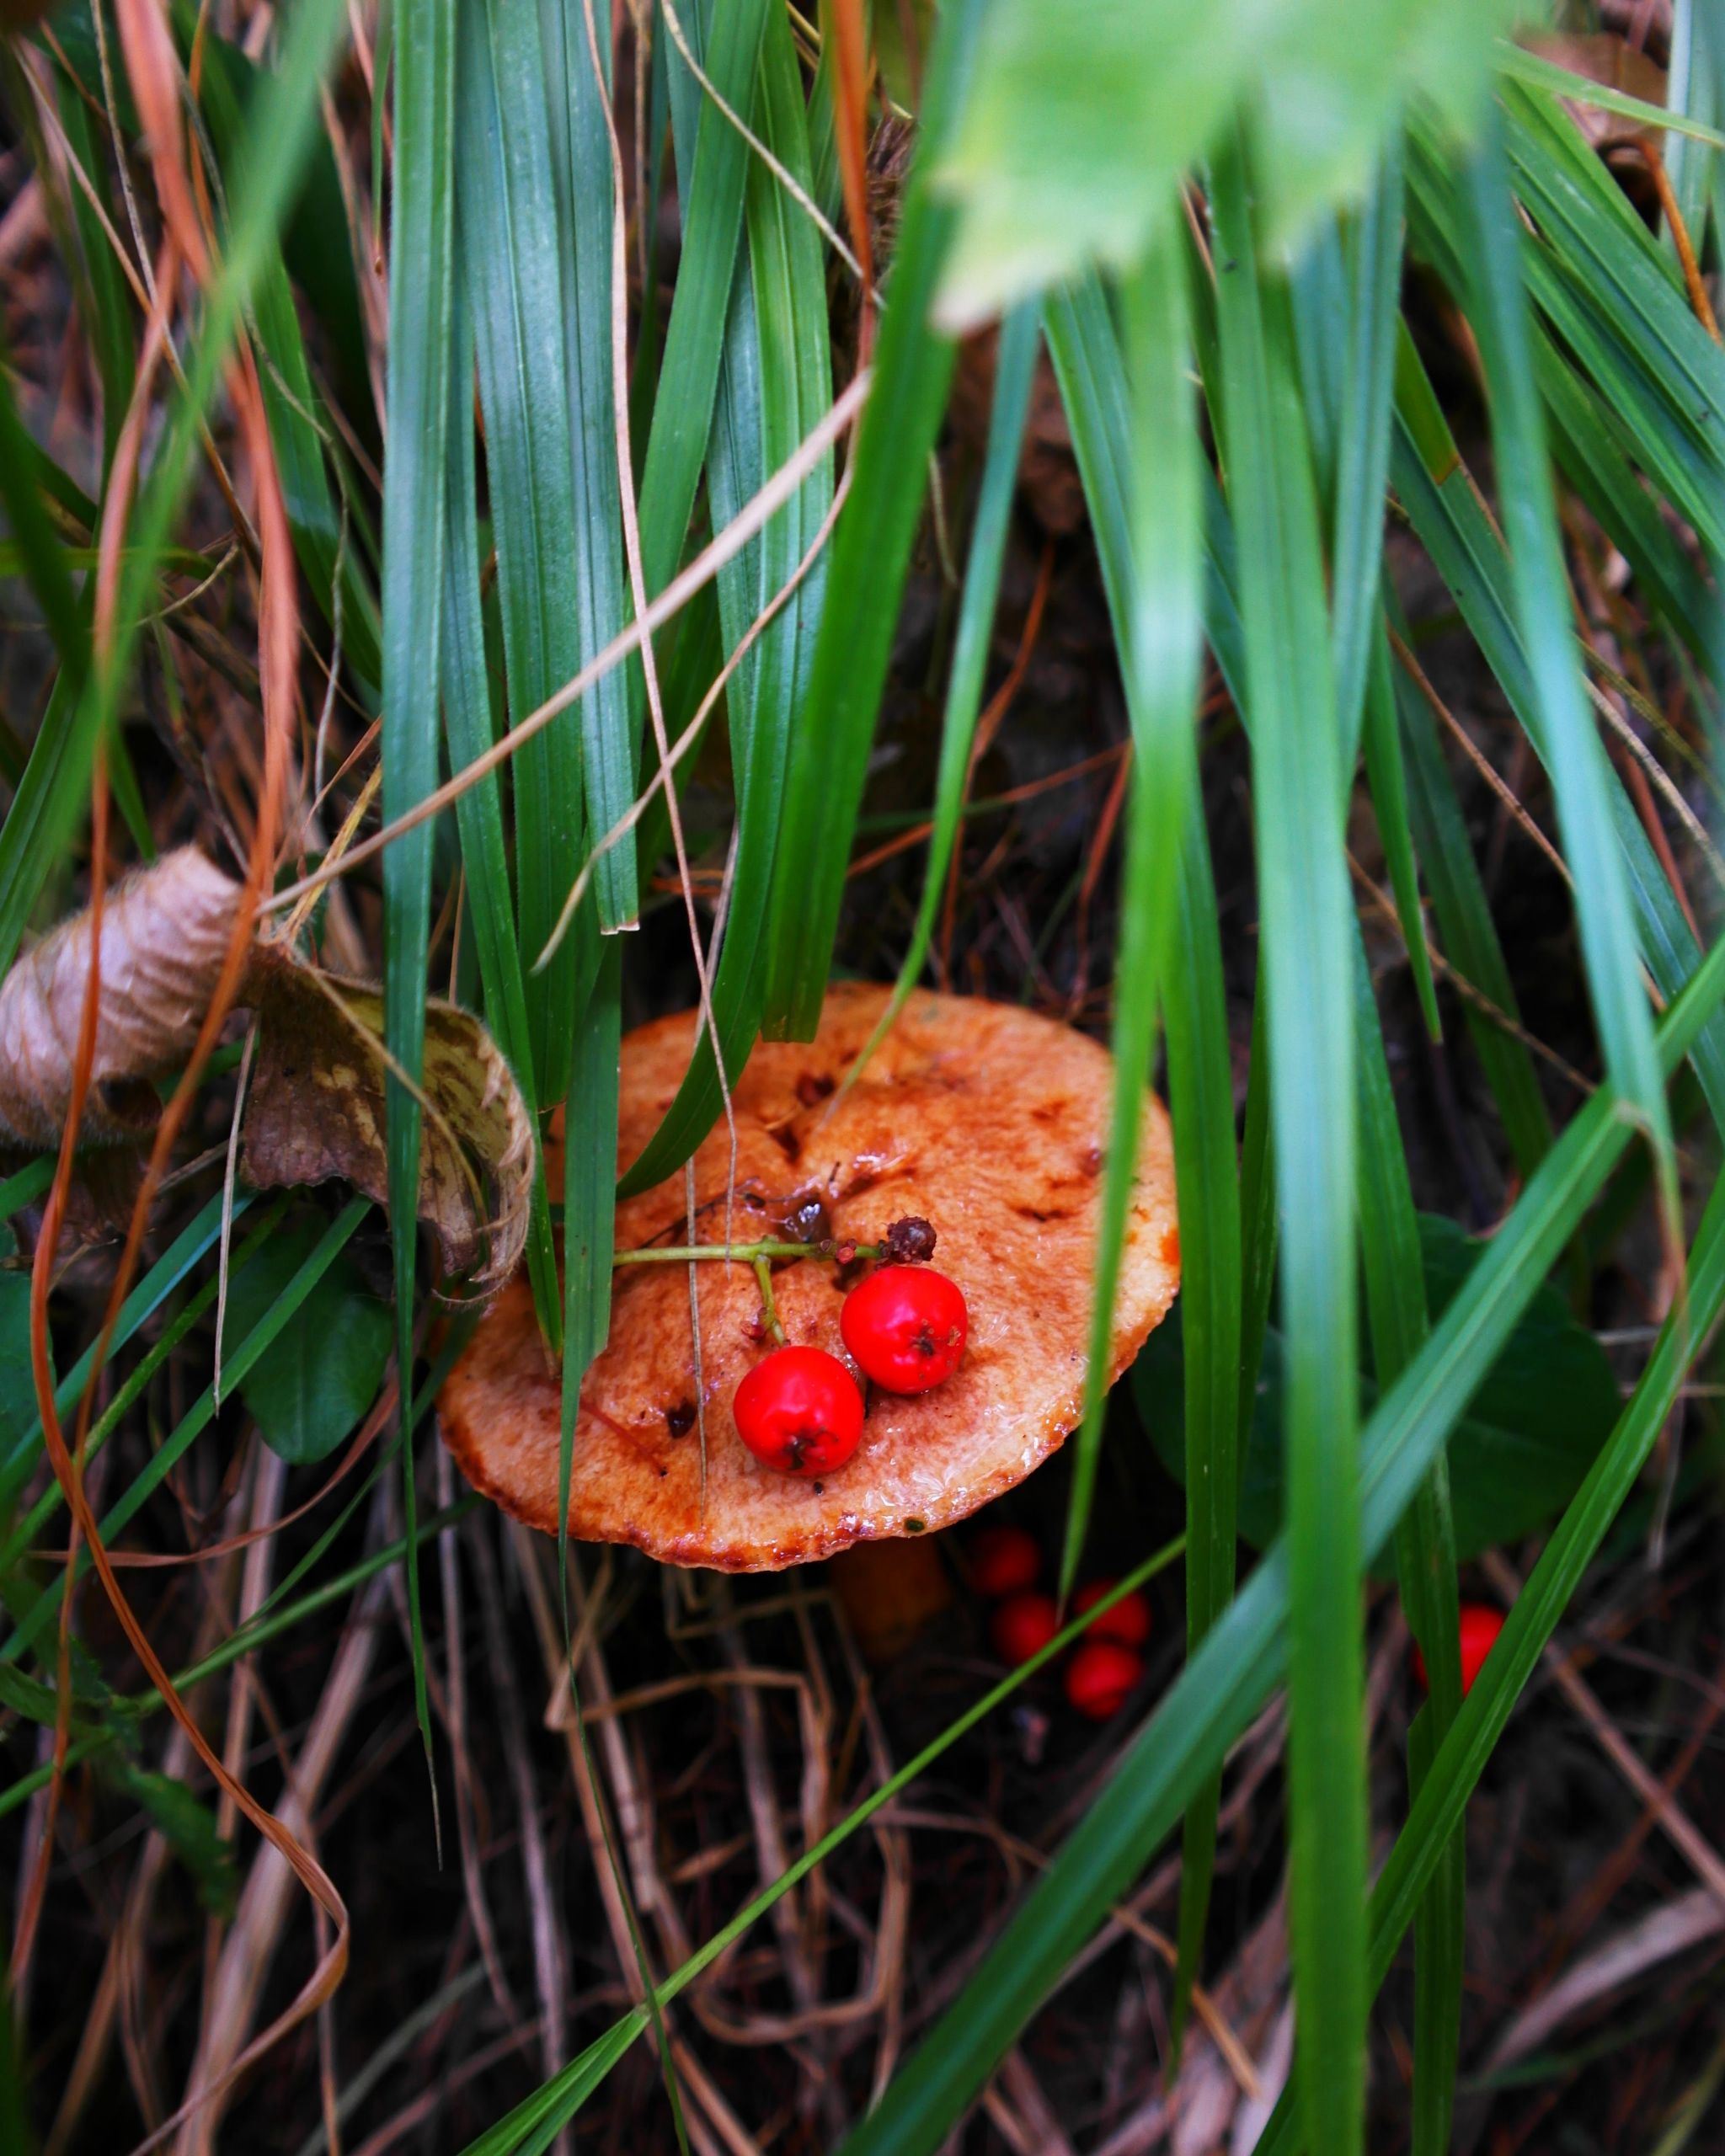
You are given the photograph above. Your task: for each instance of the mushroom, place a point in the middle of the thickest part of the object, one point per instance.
(983, 1119)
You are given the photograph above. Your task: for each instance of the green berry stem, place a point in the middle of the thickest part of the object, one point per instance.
(769, 1308)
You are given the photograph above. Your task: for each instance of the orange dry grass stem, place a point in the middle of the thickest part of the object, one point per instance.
(153, 70)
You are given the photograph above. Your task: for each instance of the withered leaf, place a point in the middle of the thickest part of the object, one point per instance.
(164, 930)
(316, 1110)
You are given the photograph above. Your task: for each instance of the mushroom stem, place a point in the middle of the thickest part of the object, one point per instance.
(769, 1308)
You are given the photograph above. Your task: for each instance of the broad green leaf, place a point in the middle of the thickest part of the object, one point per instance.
(309, 1389)
(189, 1827)
(273, 1320)
(1516, 1456)
(1074, 137)
(25, 1445)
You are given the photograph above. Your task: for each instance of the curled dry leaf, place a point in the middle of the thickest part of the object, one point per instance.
(316, 1110)
(315, 1107)
(163, 933)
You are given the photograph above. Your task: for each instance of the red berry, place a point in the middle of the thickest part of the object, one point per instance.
(1003, 1560)
(905, 1325)
(1127, 1624)
(799, 1409)
(1481, 1624)
(1101, 1677)
(1022, 1626)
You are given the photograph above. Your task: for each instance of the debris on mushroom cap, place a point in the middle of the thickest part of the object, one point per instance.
(981, 1118)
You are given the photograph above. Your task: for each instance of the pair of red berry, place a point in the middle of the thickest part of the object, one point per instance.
(1105, 1667)
(800, 1409)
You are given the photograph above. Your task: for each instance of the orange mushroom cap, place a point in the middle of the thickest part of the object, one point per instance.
(984, 1119)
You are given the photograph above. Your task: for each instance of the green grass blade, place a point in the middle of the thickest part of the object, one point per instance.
(1363, 460)
(1425, 1557)
(1014, 369)
(1435, 1818)
(1571, 748)
(1387, 778)
(1214, 1697)
(1541, 73)
(1093, 385)
(775, 382)
(41, 557)
(712, 184)
(290, 401)
(55, 788)
(468, 724)
(511, 258)
(580, 156)
(1201, 1100)
(146, 1298)
(1306, 911)
(201, 1413)
(1159, 605)
(590, 1207)
(103, 288)
(420, 279)
(829, 756)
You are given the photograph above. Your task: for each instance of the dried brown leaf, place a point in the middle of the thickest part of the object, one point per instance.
(315, 1107)
(316, 1110)
(163, 934)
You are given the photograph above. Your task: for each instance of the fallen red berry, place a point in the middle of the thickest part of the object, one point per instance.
(905, 1325)
(1022, 1626)
(1003, 1560)
(1481, 1624)
(1128, 1623)
(799, 1409)
(1101, 1676)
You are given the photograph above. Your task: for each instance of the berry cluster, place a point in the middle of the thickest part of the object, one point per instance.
(904, 1327)
(1105, 1667)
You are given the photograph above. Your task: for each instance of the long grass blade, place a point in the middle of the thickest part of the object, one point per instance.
(1363, 457)
(1425, 1557)
(580, 165)
(871, 553)
(774, 382)
(1435, 1818)
(1571, 747)
(469, 724)
(1227, 1679)
(1092, 382)
(1015, 366)
(420, 280)
(1306, 911)
(512, 259)
(1160, 608)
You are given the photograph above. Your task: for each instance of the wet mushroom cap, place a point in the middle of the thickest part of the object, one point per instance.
(984, 1119)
